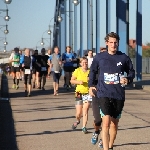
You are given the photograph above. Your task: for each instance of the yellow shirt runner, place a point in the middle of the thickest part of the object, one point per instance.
(82, 76)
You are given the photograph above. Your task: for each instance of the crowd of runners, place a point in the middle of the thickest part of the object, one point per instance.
(98, 80)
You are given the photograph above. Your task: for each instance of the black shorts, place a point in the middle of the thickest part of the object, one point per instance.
(96, 110)
(33, 71)
(37, 69)
(15, 69)
(111, 107)
(43, 73)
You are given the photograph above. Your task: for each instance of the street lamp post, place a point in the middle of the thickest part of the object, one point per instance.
(6, 31)
(49, 32)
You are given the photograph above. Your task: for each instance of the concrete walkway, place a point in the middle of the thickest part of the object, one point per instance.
(43, 121)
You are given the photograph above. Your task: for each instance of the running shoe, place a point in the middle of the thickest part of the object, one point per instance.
(84, 130)
(100, 143)
(25, 93)
(17, 87)
(43, 88)
(33, 86)
(75, 124)
(29, 94)
(94, 138)
(14, 86)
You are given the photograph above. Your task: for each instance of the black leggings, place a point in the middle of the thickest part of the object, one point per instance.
(27, 77)
(96, 111)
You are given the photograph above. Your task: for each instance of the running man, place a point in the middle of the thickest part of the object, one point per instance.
(42, 62)
(15, 60)
(83, 99)
(55, 64)
(110, 88)
(68, 60)
(27, 65)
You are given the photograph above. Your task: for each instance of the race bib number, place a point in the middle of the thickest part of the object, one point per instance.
(111, 78)
(43, 69)
(27, 71)
(16, 65)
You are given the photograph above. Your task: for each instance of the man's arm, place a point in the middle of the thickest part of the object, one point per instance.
(129, 70)
(93, 71)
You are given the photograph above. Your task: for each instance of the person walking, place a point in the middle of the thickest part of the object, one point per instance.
(113, 65)
(55, 64)
(83, 100)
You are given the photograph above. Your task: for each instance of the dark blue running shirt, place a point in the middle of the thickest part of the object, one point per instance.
(111, 67)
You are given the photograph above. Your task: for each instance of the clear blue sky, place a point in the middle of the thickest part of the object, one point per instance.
(30, 19)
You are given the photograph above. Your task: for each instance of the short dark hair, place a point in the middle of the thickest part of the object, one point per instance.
(68, 47)
(43, 49)
(90, 50)
(112, 35)
(16, 49)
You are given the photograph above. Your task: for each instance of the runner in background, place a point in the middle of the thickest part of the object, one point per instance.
(15, 60)
(68, 60)
(49, 52)
(27, 65)
(90, 58)
(35, 69)
(21, 68)
(42, 62)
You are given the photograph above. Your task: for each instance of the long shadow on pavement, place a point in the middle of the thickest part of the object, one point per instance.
(7, 130)
(40, 92)
(54, 132)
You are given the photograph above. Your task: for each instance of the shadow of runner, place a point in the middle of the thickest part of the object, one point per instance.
(7, 130)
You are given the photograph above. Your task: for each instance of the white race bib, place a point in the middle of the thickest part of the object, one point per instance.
(111, 78)
(56, 71)
(27, 71)
(16, 65)
(43, 69)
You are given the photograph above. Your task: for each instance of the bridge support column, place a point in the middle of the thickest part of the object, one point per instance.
(139, 41)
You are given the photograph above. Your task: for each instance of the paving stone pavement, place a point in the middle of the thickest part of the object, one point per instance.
(43, 121)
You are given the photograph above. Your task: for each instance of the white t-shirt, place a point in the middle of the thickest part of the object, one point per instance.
(89, 61)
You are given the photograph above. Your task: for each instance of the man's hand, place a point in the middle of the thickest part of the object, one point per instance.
(91, 91)
(124, 81)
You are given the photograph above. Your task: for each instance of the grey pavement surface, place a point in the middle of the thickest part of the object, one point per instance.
(43, 121)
